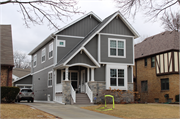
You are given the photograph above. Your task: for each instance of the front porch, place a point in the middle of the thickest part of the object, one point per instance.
(72, 81)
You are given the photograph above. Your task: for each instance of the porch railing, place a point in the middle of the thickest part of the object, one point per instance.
(73, 94)
(89, 92)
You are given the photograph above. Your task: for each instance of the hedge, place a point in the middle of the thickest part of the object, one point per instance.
(8, 94)
(177, 98)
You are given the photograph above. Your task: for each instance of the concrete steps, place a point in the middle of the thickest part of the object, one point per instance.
(82, 98)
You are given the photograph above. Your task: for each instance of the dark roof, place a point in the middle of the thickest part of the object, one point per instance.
(6, 45)
(19, 72)
(84, 40)
(165, 41)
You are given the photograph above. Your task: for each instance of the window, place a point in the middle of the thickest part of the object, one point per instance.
(43, 55)
(145, 62)
(152, 61)
(50, 50)
(35, 60)
(144, 86)
(165, 84)
(50, 79)
(61, 43)
(116, 77)
(117, 48)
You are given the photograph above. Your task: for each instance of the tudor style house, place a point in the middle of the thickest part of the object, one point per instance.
(156, 68)
(6, 54)
(84, 58)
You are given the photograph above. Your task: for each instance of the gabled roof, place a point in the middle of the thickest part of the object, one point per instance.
(53, 34)
(165, 41)
(6, 47)
(23, 77)
(92, 33)
(20, 72)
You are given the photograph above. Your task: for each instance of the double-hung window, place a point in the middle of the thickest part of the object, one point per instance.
(50, 79)
(116, 48)
(50, 50)
(43, 55)
(35, 60)
(145, 62)
(116, 77)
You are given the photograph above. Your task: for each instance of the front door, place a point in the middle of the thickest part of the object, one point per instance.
(82, 81)
(74, 80)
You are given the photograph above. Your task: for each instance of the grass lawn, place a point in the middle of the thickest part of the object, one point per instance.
(140, 110)
(22, 111)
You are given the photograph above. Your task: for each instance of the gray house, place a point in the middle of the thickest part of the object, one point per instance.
(76, 63)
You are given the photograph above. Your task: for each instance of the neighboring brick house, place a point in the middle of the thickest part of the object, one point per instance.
(156, 70)
(6, 51)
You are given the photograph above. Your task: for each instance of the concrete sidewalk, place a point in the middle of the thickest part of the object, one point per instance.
(68, 111)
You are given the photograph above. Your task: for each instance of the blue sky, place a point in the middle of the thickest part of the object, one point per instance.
(25, 39)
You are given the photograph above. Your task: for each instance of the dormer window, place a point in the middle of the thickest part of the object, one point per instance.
(116, 48)
(51, 50)
(43, 55)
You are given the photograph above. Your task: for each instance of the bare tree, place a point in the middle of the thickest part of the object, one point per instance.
(151, 8)
(171, 21)
(21, 60)
(38, 11)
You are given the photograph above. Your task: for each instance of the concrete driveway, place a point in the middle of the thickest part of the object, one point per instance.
(68, 111)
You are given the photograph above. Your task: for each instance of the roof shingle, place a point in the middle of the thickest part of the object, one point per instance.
(6, 48)
(168, 40)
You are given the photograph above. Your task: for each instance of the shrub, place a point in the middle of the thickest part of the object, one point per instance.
(177, 98)
(8, 94)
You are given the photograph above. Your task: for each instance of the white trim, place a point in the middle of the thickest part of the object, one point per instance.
(99, 47)
(51, 50)
(43, 55)
(82, 64)
(132, 74)
(92, 74)
(42, 69)
(109, 34)
(22, 77)
(87, 53)
(87, 74)
(50, 72)
(109, 55)
(82, 79)
(133, 50)
(66, 74)
(55, 61)
(33, 60)
(64, 43)
(90, 13)
(42, 44)
(69, 36)
(108, 67)
(24, 85)
(115, 63)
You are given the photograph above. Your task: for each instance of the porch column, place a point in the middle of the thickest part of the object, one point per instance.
(87, 74)
(66, 74)
(92, 74)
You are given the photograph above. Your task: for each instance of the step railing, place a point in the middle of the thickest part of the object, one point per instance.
(73, 94)
(89, 92)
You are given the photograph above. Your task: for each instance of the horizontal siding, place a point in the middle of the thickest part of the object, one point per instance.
(81, 28)
(47, 62)
(99, 73)
(26, 80)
